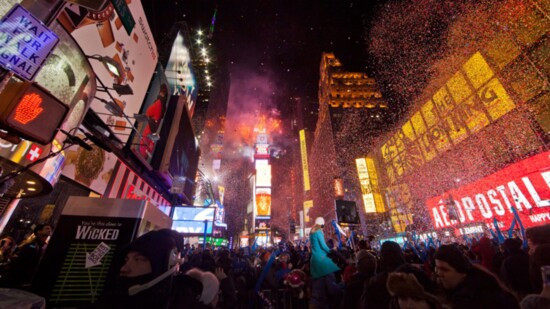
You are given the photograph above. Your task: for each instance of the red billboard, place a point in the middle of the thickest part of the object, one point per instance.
(524, 185)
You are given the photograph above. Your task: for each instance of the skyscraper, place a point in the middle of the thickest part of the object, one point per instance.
(352, 113)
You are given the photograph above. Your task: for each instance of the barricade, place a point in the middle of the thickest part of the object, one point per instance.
(274, 299)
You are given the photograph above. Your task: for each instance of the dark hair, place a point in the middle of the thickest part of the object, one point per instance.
(539, 258)
(391, 256)
(39, 227)
(538, 234)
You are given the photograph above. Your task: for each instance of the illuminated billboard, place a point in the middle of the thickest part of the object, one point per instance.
(262, 225)
(190, 220)
(179, 71)
(263, 175)
(262, 202)
(303, 151)
(346, 212)
(338, 186)
(153, 110)
(366, 189)
(524, 185)
(124, 62)
(261, 151)
(307, 206)
(469, 101)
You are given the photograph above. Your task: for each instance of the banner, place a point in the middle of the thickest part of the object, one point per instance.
(524, 185)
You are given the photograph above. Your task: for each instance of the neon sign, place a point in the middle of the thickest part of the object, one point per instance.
(28, 108)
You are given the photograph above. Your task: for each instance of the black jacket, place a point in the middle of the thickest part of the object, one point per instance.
(353, 291)
(480, 290)
(514, 272)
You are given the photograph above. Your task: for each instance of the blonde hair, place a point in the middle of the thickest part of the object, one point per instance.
(315, 228)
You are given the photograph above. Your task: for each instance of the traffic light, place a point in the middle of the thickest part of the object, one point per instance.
(30, 112)
(292, 226)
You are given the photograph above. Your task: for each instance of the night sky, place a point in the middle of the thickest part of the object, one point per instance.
(283, 40)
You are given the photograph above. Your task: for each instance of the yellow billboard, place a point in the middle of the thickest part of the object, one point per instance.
(469, 101)
(366, 190)
(375, 184)
(307, 206)
(305, 169)
(262, 202)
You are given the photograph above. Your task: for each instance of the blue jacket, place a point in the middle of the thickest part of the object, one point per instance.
(320, 264)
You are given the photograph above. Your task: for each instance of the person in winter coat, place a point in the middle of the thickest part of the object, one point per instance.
(146, 273)
(409, 292)
(366, 267)
(325, 292)
(20, 271)
(485, 250)
(514, 269)
(467, 285)
(375, 293)
(537, 259)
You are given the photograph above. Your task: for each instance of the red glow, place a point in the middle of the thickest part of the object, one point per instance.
(524, 185)
(28, 108)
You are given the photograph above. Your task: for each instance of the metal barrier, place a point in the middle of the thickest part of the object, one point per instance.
(274, 299)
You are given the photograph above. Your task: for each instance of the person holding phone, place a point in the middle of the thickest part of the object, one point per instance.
(542, 300)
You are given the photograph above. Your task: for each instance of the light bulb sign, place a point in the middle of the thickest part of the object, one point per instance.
(31, 112)
(25, 42)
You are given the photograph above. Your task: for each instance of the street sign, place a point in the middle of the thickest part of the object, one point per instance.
(25, 42)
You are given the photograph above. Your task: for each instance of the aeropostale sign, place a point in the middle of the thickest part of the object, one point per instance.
(524, 185)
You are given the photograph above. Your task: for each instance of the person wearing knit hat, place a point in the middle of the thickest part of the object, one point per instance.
(410, 293)
(146, 273)
(376, 293)
(366, 268)
(210, 286)
(156, 248)
(454, 266)
(467, 285)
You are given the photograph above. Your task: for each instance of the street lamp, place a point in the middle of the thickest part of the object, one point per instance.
(110, 64)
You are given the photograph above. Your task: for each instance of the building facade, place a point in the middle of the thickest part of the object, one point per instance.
(351, 115)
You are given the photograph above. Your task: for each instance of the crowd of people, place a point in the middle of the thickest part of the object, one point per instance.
(159, 271)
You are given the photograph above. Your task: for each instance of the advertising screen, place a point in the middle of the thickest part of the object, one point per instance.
(263, 176)
(346, 212)
(307, 206)
(262, 224)
(303, 151)
(191, 227)
(194, 213)
(190, 220)
(179, 71)
(262, 202)
(123, 54)
(523, 186)
(153, 109)
(366, 189)
(469, 101)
